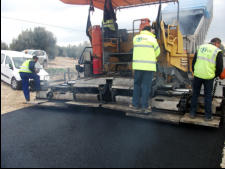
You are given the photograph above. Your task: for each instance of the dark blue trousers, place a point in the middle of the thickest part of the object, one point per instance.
(208, 86)
(25, 83)
(142, 88)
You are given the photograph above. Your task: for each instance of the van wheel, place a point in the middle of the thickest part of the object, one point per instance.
(14, 84)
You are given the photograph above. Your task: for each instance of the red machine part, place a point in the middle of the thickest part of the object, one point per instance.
(222, 76)
(97, 50)
(144, 22)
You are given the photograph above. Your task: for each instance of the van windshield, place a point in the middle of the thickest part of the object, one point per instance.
(18, 61)
(30, 52)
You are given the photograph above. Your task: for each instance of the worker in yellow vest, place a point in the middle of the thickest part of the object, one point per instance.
(145, 53)
(110, 28)
(207, 65)
(28, 71)
(109, 25)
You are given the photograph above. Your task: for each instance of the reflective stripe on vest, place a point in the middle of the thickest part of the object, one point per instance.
(156, 48)
(139, 61)
(205, 66)
(109, 24)
(213, 59)
(146, 51)
(144, 46)
(25, 67)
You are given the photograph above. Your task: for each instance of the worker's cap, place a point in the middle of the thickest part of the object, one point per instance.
(216, 40)
(35, 57)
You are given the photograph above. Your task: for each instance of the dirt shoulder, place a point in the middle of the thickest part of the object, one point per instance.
(12, 100)
(62, 62)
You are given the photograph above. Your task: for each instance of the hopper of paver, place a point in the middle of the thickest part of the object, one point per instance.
(194, 20)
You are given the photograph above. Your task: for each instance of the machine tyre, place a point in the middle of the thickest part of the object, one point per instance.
(49, 95)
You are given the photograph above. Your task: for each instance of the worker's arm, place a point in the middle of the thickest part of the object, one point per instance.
(194, 61)
(32, 66)
(219, 64)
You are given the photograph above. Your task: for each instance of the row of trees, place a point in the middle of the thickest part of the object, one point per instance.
(39, 38)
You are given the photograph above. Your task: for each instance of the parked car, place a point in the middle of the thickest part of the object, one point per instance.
(42, 56)
(11, 61)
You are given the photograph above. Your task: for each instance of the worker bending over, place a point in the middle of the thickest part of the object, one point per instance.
(28, 71)
(207, 65)
(146, 51)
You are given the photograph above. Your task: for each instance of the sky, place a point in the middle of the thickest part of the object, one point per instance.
(68, 22)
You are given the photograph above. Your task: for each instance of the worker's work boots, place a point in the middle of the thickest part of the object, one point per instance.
(192, 116)
(30, 102)
(147, 111)
(133, 107)
(209, 119)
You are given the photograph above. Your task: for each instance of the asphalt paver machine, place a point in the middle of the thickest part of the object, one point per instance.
(105, 76)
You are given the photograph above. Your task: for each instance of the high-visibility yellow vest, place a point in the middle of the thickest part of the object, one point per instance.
(25, 67)
(205, 66)
(145, 53)
(109, 24)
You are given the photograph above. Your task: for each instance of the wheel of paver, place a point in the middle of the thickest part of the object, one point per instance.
(49, 95)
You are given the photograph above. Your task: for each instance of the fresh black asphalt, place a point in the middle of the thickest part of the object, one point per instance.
(86, 137)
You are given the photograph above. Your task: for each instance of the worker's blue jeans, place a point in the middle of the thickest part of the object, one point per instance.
(142, 88)
(25, 83)
(208, 87)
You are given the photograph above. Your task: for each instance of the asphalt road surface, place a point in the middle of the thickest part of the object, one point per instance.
(86, 137)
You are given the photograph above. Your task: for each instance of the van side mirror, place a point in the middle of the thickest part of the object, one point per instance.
(9, 66)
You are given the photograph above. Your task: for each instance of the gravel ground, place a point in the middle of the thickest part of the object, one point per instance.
(62, 62)
(84, 137)
(12, 100)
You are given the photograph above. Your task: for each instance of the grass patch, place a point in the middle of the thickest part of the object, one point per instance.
(55, 71)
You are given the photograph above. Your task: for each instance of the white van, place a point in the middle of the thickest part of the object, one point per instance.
(11, 61)
(42, 56)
